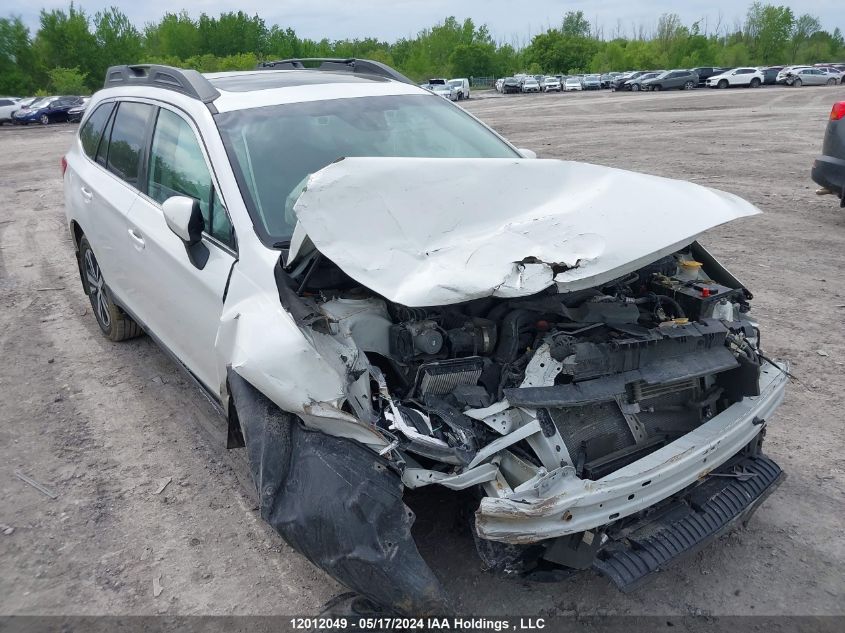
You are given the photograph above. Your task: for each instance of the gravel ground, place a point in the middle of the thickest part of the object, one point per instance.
(104, 426)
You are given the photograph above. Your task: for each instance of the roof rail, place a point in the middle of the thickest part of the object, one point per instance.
(359, 66)
(188, 82)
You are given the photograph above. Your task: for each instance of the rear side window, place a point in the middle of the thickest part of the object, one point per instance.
(92, 131)
(178, 168)
(127, 140)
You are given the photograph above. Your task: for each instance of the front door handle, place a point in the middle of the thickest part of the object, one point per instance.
(137, 238)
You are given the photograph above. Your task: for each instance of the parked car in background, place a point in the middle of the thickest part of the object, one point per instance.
(445, 90)
(551, 84)
(832, 71)
(75, 114)
(747, 77)
(619, 82)
(530, 84)
(8, 105)
(770, 74)
(572, 83)
(607, 79)
(46, 110)
(705, 72)
(829, 168)
(592, 82)
(510, 85)
(788, 75)
(461, 86)
(635, 84)
(677, 79)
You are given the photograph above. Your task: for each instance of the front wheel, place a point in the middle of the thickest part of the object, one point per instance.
(797, 83)
(657, 87)
(831, 82)
(635, 88)
(44, 119)
(723, 84)
(114, 322)
(689, 85)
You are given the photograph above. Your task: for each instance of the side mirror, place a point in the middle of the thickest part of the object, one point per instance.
(184, 218)
(527, 153)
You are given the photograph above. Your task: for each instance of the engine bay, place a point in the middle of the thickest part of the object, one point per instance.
(608, 374)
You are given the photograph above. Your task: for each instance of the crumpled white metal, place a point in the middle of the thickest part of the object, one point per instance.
(435, 231)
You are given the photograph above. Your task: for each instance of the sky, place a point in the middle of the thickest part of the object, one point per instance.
(512, 21)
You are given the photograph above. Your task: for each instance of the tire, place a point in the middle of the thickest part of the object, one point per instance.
(831, 82)
(656, 88)
(45, 120)
(755, 83)
(797, 83)
(722, 84)
(689, 85)
(635, 87)
(115, 324)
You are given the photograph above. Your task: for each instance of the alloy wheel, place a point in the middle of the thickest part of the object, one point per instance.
(97, 288)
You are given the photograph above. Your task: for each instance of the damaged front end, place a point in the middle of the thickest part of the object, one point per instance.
(610, 415)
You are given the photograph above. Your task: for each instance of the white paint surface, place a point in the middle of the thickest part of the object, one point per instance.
(434, 231)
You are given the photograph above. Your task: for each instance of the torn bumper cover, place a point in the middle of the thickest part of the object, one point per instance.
(337, 503)
(575, 505)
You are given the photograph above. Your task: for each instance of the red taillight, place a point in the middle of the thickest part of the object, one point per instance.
(64, 166)
(838, 111)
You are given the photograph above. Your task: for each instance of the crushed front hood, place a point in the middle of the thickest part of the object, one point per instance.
(434, 231)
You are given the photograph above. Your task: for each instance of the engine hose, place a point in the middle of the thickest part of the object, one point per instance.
(678, 310)
(512, 325)
(653, 297)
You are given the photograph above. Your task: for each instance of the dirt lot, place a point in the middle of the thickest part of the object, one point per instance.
(106, 425)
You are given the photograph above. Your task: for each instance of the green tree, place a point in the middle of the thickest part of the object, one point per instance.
(67, 81)
(118, 41)
(473, 60)
(804, 27)
(575, 25)
(17, 60)
(174, 35)
(768, 28)
(64, 40)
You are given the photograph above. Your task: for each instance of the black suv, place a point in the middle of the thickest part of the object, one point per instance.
(829, 168)
(705, 72)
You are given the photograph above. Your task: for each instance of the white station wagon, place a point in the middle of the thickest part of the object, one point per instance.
(579, 361)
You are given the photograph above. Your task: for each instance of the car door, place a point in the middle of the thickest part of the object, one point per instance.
(103, 185)
(183, 302)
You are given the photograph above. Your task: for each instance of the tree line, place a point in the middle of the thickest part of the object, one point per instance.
(70, 50)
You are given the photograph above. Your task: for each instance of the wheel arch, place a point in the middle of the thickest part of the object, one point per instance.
(76, 232)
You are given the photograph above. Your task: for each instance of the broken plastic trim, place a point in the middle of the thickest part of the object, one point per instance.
(337, 503)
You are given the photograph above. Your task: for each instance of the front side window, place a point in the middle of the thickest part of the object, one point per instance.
(178, 168)
(274, 149)
(127, 140)
(91, 133)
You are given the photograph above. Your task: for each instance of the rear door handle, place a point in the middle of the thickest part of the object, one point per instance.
(136, 237)
(86, 193)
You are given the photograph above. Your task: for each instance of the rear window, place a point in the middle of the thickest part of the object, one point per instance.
(127, 139)
(91, 133)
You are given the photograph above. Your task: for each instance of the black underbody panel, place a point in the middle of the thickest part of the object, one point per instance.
(729, 495)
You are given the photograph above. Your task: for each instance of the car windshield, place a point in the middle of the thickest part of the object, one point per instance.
(455, 82)
(274, 149)
(40, 103)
